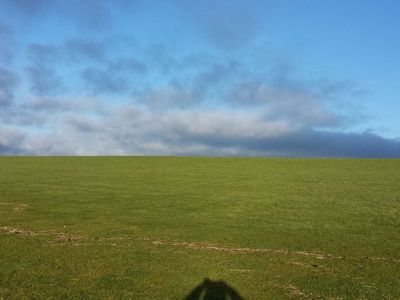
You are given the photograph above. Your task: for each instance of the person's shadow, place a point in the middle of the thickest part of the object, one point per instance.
(213, 290)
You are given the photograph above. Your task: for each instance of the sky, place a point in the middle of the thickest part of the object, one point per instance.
(305, 78)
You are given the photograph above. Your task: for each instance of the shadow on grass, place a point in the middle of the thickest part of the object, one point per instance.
(213, 290)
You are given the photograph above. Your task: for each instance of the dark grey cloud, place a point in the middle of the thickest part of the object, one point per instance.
(102, 81)
(305, 143)
(335, 144)
(43, 81)
(8, 81)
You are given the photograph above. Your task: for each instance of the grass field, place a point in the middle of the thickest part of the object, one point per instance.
(155, 227)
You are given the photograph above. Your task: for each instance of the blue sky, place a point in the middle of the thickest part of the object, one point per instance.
(247, 78)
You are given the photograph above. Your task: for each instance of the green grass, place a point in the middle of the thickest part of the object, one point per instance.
(116, 227)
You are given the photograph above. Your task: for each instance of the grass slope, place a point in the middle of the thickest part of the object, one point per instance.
(155, 227)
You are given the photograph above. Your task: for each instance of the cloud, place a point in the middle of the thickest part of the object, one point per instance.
(312, 143)
(85, 49)
(88, 15)
(300, 107)
(228, 25)
(127, 129)
(161, 58)
(27, 7)
(169, 97)
(214, 75)
(231, 31)
(7, 44)
(101, 73)
(92, 15)
(8, 81)
(42, 54)
(43, 81)
(11, 141)
(133, 98)
(75, 50)
(41, 74)
(101, 81)
(62, 104)
(127, 65)
(271, 115)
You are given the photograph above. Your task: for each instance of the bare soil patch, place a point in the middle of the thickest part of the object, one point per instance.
(213, 247)
(63, 237)
(59, 237)
(16, 231)
(13, 207)
(193, 245)
(296, 292)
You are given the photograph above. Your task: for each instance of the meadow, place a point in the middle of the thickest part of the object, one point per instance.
(156, 227)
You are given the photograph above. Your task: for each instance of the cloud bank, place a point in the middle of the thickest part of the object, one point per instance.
(100, 92)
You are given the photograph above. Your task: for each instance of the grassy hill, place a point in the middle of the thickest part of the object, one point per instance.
(156, 227)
